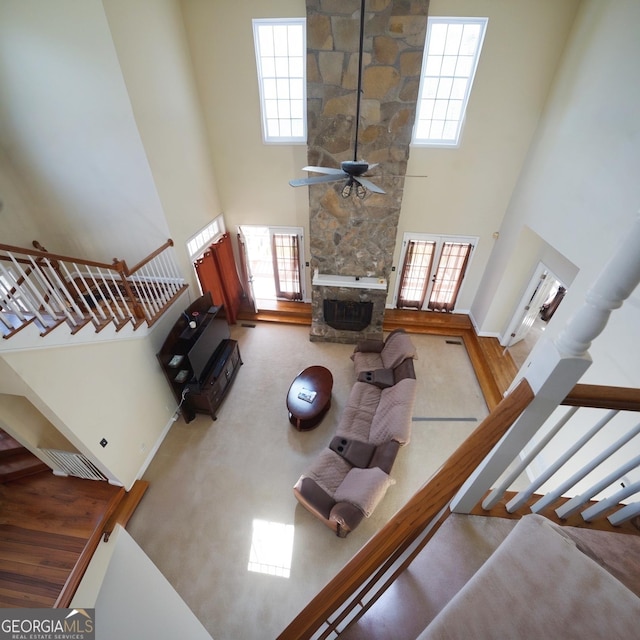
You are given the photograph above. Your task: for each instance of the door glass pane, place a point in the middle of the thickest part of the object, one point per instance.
(415, 273)
(449, 275)
(286, 262)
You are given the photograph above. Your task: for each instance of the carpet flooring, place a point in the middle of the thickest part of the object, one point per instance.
(216, 485)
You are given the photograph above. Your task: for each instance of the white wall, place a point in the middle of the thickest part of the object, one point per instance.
(579, 191)
(67, 127)
(132, 598)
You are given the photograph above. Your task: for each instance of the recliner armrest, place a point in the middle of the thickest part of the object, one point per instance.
(346, 517)
(355, 452)
(381, 378)
(385, 456)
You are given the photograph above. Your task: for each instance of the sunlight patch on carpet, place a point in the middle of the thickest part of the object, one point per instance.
(271, 548)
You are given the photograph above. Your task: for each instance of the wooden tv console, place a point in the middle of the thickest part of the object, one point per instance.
(222, 360)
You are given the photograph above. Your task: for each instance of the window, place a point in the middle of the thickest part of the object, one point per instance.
(451, 53)
(281, 53)
(205, 237)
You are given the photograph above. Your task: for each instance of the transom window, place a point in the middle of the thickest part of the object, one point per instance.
(204, 237)
(451, 54)
(281, 51)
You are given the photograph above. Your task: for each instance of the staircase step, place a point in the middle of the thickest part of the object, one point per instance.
(20, 465)
(8, 446)
(441, 569)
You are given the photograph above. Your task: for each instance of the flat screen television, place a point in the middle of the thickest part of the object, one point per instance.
(209, 341)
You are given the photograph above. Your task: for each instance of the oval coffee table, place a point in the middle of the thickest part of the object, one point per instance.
(309, 397)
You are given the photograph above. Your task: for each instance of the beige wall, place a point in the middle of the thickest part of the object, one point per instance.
(466, 191)
(67, 124)
(579, 190)
(253, 178)
(112, 390)
(155, 61)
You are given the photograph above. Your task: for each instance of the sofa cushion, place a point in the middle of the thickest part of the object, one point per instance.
(392, 420)
(366, 361)
(328, 470)
(397, 348)
(364, 488)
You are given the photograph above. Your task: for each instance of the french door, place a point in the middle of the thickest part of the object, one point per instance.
(272, 261)
(433, 269)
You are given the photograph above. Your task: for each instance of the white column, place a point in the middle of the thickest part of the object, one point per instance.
(553, 368)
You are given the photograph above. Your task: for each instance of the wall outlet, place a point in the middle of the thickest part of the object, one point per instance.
(103, 443)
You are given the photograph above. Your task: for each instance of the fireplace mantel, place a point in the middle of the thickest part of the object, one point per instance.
(353, 282)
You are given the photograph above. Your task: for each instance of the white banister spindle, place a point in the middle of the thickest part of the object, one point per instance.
(552, 496)
(143, 296)
(523, 496)
(166, 266)
(150, 279)
(80, 297)
(91, 291)
(601, 507)
(9, 299)
(107, 296)
(123, 304)
(496, 494)
(553, 368)
(35, 292)
(576, 503)
(625, 514)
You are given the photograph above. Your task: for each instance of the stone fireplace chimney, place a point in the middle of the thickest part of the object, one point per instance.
(352, 239)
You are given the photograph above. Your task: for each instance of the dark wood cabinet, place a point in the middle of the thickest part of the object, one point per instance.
(199, 359)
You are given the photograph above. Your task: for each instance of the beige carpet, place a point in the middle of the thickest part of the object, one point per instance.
(211, 479)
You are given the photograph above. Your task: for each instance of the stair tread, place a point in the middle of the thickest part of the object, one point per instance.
(20, 464)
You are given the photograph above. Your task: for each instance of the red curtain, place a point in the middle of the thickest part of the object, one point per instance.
(217, 273)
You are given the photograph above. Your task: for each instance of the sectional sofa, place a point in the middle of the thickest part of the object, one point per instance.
(349, 478)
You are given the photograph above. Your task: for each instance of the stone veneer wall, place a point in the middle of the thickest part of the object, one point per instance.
(352, 236)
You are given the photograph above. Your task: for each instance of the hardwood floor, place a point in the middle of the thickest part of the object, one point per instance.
(49, 528)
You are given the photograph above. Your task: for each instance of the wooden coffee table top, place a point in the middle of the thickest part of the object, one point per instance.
(316, 383)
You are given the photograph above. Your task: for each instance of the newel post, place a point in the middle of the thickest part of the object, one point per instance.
(121, 267)
(553, 368)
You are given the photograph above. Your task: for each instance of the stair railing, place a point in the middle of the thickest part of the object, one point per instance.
(596, 470)
(49, 289)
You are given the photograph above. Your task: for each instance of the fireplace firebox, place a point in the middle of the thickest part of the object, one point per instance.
(347, 315)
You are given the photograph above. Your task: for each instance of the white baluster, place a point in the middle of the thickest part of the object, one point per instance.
(554, 368)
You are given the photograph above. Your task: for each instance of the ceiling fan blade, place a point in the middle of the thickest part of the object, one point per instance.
(327, 170)
(301, 182)
(367, 184)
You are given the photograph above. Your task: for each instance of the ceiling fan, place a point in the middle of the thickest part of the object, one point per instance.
(350, 170)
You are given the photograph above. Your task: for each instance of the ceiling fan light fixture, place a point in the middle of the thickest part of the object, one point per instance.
(361, 192)
(346, 190)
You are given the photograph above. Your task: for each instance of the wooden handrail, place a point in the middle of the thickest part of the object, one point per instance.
(75, 577)
(596, 396)
(54, 256)
(421, 509)
(150, 257)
